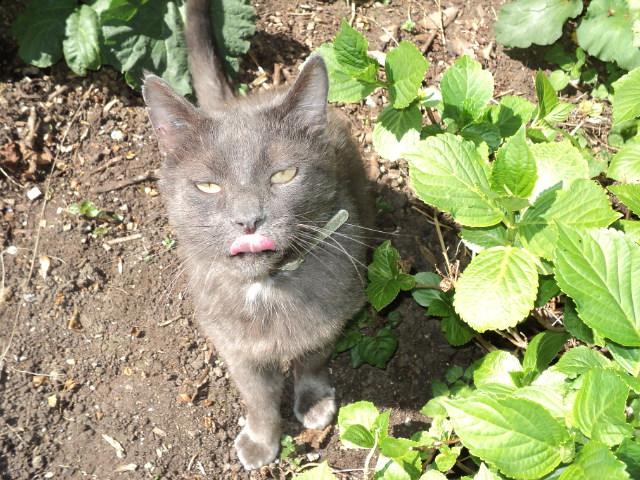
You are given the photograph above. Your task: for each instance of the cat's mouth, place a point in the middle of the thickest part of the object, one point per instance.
(251, 244)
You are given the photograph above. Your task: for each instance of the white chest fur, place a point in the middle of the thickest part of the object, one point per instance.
(258, 291)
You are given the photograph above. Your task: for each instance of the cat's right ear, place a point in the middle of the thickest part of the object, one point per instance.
(171, 115)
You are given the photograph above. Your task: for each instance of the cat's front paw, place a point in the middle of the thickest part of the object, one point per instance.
(315, 407)
(254, 453)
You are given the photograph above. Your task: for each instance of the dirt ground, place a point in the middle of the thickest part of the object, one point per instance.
(103, 373)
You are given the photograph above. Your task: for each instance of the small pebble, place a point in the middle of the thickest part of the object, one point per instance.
(34, 193)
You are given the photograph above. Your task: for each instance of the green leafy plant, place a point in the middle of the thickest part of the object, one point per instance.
(89, 211)
(607, 29)
(288, 450)
(130, 36)
(520, 188)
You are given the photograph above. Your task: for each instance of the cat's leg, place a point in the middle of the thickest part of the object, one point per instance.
(314, 399)
(261, 388)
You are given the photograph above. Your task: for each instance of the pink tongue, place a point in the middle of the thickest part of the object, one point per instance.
(251, 244)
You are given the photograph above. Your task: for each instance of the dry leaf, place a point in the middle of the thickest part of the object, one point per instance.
(74, 321)
(59, 299)
(128, 371)
(185, 397)
(69, 385)
(115, 444)
(135, 332)
(208, 423)
(52, 401)
(39, 380)
(131, 467)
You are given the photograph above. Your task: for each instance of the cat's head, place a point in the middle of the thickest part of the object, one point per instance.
(241, 182)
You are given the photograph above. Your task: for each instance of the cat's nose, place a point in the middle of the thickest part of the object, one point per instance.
(250, 223)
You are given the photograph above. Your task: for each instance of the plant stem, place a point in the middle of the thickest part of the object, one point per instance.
(427, 285)
(365, 473)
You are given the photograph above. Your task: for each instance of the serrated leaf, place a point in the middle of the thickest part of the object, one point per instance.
(321, 472)
(81, 45)
(629, 453)
(547, 289)
(625, 164)
(583, 205)
(599, 407)
(348, 340)
(479, 238)
(511, 114)
(483, 132)
(558, 162)
(626, 105)
(606, 33)
(496, 368)
(381, 425)
(542, 349)
(487, 424)
(424, 296)
(631, 229)
(485, 474)
(600, 270)
(234, 23)
(629, 194)
(433, 475)
(576, 327)
(405, 67)
(547, 97)
(358, 435)
(466, 89)
(595, 462)
(350, 48)
(456, 331)
(627, 357)
(447, 457)
(497, 289)
(580, 360)
(407, 468)
(343, 87)
(396, 130)
(559, 80)
(559, 112)
(534, 21)
(448, 172)
(359, 413)
(41, 29)
(396, 447)
(514, 170)
(550, 398)
(435, 407)
(386, 277)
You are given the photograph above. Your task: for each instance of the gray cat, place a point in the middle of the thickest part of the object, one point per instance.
(251, 185)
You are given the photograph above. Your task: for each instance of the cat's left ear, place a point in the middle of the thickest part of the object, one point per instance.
(307, 98)
(172, 117)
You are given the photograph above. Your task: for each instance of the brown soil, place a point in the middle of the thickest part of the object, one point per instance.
(102, 344)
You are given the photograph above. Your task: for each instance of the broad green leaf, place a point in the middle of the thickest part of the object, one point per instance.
(576, 327)
(234, 23)
(497, 289)
(40, 31)
(149, 39)
(359, 413)
(424, 296)
(631, 229)
(433, 475)
(321, 472)
(378, 350)
(511, 114)
(542, 349)
(599, 407)
(583, 205)
(627, 357)
(600, 270)
(396, 130)
(629, 194)
(349, 339)
(496, 368)
(547, 289)
(483, 132)
(343, 87)
(479, 238)
(448, 172)
(625, 164)
(517, 435)
(453, 373)
(550, 398)
(580, 360)
(525, 22)
(358, 435)
(405, 68)
(81, 45)
(466, 89)
(456, 331)
(386, 277)
(626, 105)
(514, 170)
(485, 474)
(559, 80)
(435, 407)
(396, 447)
(447, 457)
(558, 162)
(407, 468)
(606, 32)
(381, 425)
(559, 112)
(547, 97)
(629, 453)
(350, 48)
(595, 462)
(511, 203)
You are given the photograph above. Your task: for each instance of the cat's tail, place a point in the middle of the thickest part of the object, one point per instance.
(210, 82)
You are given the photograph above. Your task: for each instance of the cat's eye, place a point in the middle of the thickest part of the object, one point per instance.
(207, 187)
(284, 176)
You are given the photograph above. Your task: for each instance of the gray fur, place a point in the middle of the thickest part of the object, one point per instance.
(256, 315)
